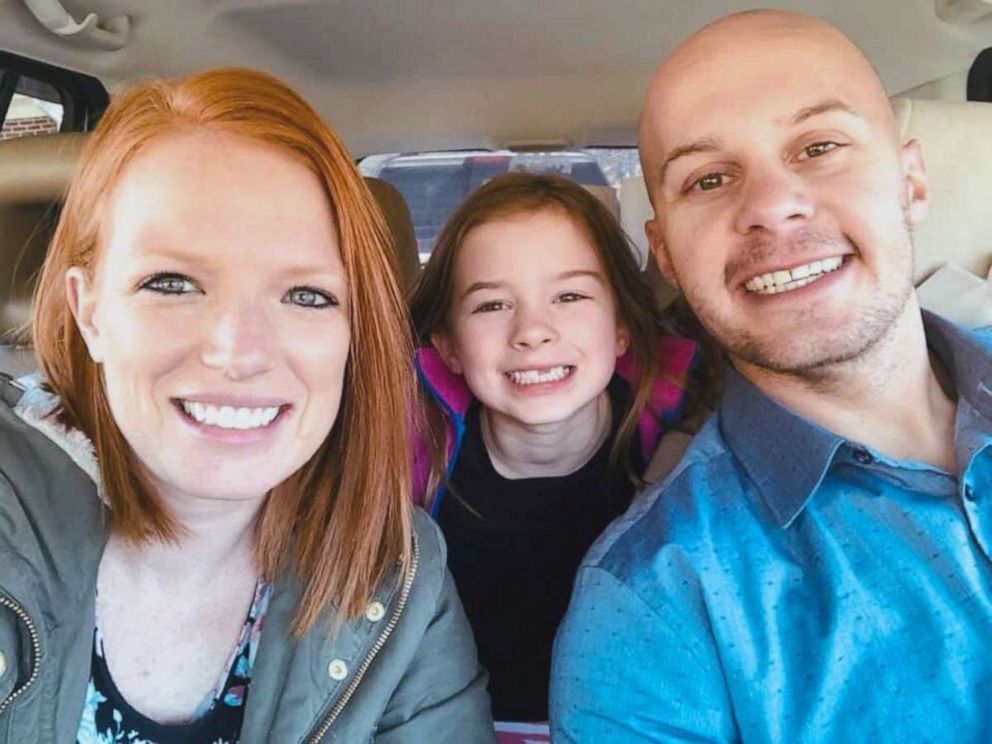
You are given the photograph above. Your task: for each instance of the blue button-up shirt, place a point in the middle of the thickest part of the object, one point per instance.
(785, 584)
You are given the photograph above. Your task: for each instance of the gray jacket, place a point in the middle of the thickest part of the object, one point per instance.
(406, 672)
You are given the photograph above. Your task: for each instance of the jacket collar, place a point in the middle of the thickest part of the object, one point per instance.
(787, 456)
(678, 357)
(446, 387)
(36, 407)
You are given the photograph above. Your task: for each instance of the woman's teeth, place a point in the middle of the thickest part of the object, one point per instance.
(228, 417)
(787, 280)
(535, 377)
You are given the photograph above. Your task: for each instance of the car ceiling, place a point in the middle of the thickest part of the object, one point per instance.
(409, 75)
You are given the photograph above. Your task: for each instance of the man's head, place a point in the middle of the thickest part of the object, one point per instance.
(783, 199)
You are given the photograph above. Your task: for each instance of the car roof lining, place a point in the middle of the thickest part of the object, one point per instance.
(402, 75)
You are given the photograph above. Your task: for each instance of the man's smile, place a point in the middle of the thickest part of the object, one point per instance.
(787, 280)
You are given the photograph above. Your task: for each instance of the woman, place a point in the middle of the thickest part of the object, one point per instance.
(223, 349)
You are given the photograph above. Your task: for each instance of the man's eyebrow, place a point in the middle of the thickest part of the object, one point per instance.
(707, 144)
(823, 107)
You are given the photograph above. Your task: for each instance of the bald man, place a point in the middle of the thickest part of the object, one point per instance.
(817, 568)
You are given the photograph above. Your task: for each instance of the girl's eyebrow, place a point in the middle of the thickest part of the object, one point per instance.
(597, 275)
(477, 286)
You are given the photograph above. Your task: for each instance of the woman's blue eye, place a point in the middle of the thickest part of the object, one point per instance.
(309, 297)
(173, 284)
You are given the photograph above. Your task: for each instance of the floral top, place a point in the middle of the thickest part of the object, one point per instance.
(107, 716)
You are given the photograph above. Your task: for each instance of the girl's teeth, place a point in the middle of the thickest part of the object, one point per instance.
(786, 280)
(534, 377)
(228, 417)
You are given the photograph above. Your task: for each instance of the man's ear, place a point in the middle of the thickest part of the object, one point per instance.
(914, 173)
(656, 239)
(446, 348)
(80, 293)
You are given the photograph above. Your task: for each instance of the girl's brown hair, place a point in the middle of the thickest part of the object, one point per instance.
(343, 520)
(512, 194)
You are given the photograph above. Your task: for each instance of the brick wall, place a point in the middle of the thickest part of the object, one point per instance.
(27, 127)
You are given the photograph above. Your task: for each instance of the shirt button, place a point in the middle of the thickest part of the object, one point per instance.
(337, 670)
(3, 663)
(969, 493)
(375, 612)
(863, 457)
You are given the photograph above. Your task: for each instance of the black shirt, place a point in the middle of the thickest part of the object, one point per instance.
(514, 547)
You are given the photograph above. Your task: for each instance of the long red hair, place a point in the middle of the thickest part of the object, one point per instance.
(344, 519)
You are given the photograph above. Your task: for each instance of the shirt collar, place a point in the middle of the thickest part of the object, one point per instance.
(967, 354)
(787, 456)
(784, 454)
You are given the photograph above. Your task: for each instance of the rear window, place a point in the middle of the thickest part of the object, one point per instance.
(38, 99)
(36, 108)
(433, 184)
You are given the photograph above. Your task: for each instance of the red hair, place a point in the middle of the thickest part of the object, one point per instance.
(343, 520)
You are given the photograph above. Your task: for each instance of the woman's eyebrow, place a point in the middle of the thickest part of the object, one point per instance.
(154, 250)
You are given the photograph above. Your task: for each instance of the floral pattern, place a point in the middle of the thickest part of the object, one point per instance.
(108, 718)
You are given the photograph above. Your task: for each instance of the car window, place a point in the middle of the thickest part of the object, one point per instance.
(433, 184)
(980, 77)
(36, 108)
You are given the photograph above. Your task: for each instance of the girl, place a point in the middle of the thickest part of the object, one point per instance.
(549, 380)
(206, 526)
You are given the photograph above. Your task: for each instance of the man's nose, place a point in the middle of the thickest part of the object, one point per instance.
(532, 328)
(239, 340)
(774, 200)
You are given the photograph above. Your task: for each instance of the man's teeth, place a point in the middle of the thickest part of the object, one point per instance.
(533, 376)
(229, 417)
(787, 280)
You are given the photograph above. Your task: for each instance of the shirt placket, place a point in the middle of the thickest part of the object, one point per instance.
(976, 495)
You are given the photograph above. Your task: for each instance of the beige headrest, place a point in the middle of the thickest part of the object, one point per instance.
(34, 175)
(635, 210)
(37, 170)
(397, 214)
(955, 139)
(607, 195)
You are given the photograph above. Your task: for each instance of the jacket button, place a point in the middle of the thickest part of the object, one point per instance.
(375, 612)
(337, 670)
(3, 663)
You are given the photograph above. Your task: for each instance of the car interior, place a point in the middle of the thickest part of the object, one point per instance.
(432, 96)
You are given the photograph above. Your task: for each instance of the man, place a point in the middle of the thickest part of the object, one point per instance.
(817, 567)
